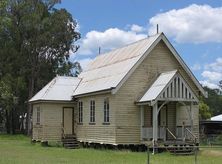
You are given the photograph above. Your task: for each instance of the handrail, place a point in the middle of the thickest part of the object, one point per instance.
(63, 132)
(191, 134)
(168, 130)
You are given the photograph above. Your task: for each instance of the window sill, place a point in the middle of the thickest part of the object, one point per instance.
(37, 126)
(106, 123)
(92, 123)
(79, 123)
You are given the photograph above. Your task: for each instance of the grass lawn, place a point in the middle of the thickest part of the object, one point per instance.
(18, 150)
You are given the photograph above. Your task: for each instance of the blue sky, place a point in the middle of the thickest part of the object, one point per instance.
(193, 27)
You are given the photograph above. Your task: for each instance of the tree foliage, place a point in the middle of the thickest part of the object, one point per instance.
(204, 111)
(35, 43)
(214, 101)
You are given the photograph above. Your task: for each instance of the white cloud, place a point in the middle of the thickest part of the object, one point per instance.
(195, 23)
(212, 76)
(215, 66)
(84, 62)
(107, 40)
(137, 28)
(196, 67)
(209, 84)
(78, 27)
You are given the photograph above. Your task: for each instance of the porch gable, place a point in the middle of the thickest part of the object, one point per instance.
(169, 86)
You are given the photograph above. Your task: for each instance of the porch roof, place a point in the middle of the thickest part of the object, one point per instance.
(169, 86)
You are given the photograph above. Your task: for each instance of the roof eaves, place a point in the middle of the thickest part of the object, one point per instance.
(155, 100)
(94, 93)
(51, 101)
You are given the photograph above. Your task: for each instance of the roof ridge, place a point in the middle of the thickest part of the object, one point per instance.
(112, 51)
(126, 45)
(168, 72)
(50, 86)
(111, 64)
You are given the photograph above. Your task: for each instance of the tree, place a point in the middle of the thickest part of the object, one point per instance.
(214, 101)
(220, 87)
(204, 111)
(35, 44)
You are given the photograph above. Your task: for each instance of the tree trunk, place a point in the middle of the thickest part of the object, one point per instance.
(29, 107)
(7, 122)
(13, 120)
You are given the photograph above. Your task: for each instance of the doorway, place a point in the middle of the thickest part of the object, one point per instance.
(68, 120)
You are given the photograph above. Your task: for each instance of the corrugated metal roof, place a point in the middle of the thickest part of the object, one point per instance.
(157, 87)
(60, 88)
(107, 70)
(216, 118)
(110, 70)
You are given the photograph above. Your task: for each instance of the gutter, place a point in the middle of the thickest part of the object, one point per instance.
(109, 90)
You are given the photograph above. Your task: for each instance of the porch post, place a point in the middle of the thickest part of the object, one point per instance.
(155, 125)
(191, 114)
(141, 121)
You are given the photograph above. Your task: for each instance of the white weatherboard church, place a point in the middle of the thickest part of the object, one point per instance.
(132, 95)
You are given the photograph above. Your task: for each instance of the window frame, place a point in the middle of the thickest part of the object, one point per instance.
(38, 115)
(106, 111)
(92, 115)
(80, 112)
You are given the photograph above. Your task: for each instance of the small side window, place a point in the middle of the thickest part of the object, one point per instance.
(92, 111)
(106, 110)
(38, 116)
(80, 112)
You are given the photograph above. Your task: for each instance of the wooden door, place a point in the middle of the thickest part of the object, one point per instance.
(68, 120)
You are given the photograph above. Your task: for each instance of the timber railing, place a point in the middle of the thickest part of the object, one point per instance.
(63, 132)
(194, 138)
(168, 130)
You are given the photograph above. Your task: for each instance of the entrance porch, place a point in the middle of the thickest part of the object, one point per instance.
(173, 123)
(169, 111)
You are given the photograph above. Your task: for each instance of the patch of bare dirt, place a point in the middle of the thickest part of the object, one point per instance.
(212, 153)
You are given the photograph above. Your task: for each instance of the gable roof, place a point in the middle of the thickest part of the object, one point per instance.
(169, 86)
(109, 71)
(106, 71)
(60, 88)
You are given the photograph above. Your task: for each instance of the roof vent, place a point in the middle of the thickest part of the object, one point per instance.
(157, 29)
(99, 50)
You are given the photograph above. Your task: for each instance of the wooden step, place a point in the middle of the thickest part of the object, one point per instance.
(68, 139)
(70, 142)
(69, 136)
(71, 145)
(181, 150)
(178, 142)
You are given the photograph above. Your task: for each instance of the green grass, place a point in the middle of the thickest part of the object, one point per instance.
(19, 150)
